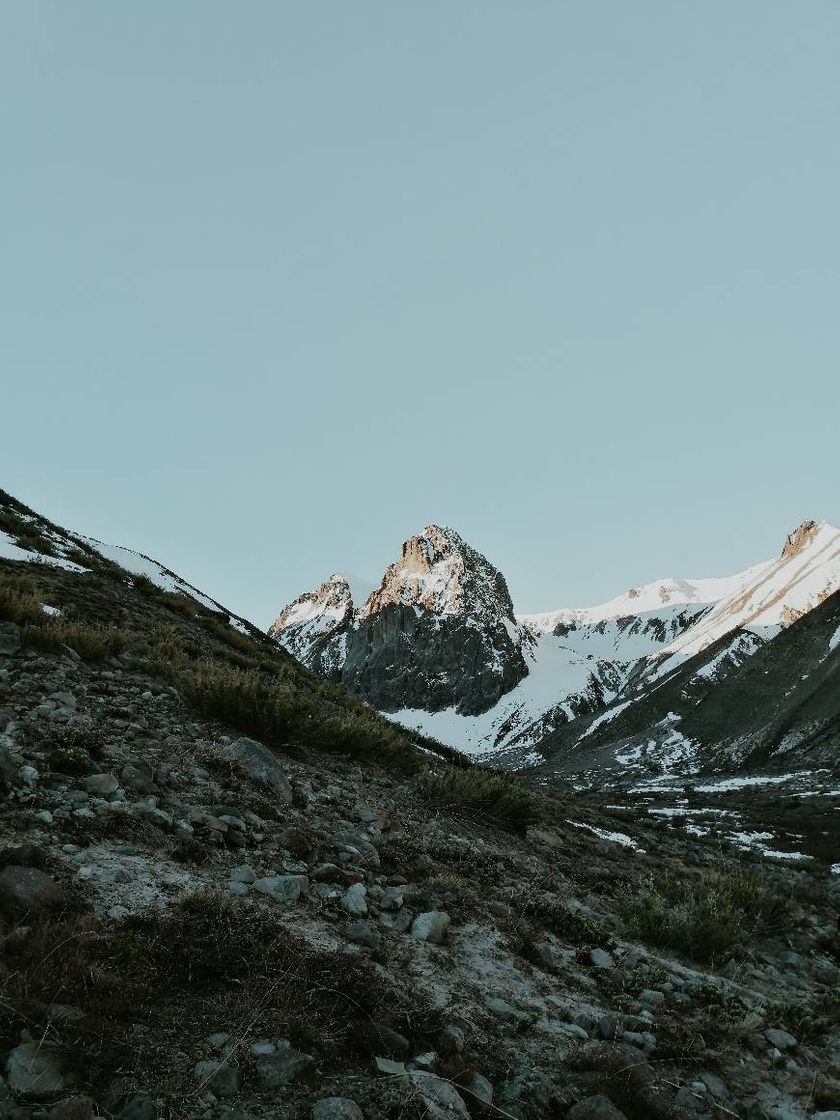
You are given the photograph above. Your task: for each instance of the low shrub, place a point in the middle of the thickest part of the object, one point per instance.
(479, 791)
(90, 642)
(19, 604)
(570, 926)
(703, 916)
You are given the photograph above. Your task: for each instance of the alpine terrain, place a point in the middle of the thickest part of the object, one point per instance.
(438, 648)
(232, 889)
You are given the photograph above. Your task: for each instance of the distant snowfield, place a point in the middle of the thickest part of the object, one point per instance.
(774, 595)
(727, 784)
(554, 673)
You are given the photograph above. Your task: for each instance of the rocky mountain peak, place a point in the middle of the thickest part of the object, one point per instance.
(439, 572)
(800, 538)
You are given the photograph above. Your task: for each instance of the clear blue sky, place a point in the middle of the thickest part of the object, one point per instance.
(282, 282)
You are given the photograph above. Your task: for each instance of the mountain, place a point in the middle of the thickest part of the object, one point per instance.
(437, 633)
(438, 647)
(228, 889)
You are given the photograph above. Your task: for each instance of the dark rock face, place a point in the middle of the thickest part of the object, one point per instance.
(398, 658)
(438, 632)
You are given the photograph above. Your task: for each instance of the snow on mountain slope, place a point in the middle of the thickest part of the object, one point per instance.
(652, 597)
(442, 614)
(560, 685)
(775, 595)
(442, 619)
(31, 538)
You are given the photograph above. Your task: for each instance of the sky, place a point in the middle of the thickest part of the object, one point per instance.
(281, 283)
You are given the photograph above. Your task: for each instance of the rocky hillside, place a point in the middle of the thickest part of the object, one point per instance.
(229, 891)
(534, 685)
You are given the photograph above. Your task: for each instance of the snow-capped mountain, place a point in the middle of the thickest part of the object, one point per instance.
(437, 633)
(437, 645)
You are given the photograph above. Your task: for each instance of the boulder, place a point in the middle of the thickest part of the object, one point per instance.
(364, 933)
(33, 1069)
(101, 785)
(275, 1070)
(440, 1097)
(283, 888)
(431, 926)
(221, 1078)
(261, 765)
(354, 900)
(27, 890)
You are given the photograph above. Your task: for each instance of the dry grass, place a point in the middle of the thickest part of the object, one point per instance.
(223, 966)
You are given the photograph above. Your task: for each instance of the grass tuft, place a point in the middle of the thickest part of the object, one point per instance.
(704, 917)
(483, 792)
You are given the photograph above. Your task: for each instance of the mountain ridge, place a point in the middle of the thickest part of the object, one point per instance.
(578, 661)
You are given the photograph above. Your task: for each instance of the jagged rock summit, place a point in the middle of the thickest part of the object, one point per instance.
(438, 632)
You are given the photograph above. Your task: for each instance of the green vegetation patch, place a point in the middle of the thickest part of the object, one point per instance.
(482, 792)
(707, 916)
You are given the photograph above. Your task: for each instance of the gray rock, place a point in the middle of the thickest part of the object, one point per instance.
(139, 776)
(478, 1092)
(283, 888)
(336, 1108)
(600, 958)
(595, 1108)
(354, 900)
(74, 1108)
(387, 1066)
(451, 1040)
(392, 899)
(441, 1098)
(261, 765)
(503, 1010)
(364, 933)
(221, 1078)
(243, 874)
(33, 1069)
(155, 816)
(26, 890)
(275, 1070)
(834, 1114)
(397, 922)
(431, 926)
(780, 1039)
(219, 1041)
(714, 1085)
(355, 848)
